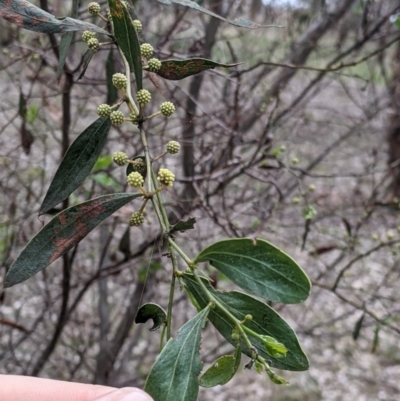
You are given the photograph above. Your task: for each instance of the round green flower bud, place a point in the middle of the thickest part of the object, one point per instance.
(120, 158)
(94, 8)
(87, 35)
(119, 80)
(104, 110)
(295, 160)
(136, 219)
(146, 49)
(248, 318)
(143, 96)
(167, 109)
(93, 44)
(375, 237)
(137, 25)
(135, 179)
(154, 64)
(311, 187)
(235, 337)
(166, 177)
(117, 117)
(173, 147)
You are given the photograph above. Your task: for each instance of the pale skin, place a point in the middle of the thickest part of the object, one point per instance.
(23, 388)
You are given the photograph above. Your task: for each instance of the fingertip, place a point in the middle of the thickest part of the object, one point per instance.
(125, 394)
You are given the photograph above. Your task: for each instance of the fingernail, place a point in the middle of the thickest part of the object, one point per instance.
(125, 394)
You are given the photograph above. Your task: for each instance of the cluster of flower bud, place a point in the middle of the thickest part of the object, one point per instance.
(143, 97)
(167, 109)
(120, 158)
(94, 8)
(135, 179)
(166, 177)
(173, 147)
(119, 80)
(136, 219)
(117, 117)
(146, 50)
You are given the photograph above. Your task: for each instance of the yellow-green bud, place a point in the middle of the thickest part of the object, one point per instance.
(117, 117)
(295, 160)
(120, 158)
(104, 110)
(135, 179)
(136, 219)
(119, 80)
(173, 147)
(87, 35)
(167, 109)
(94, 8)
(143, 96)
(137, 25)
(154, 64)
(166, 177)
(93, 44)
(146, 50)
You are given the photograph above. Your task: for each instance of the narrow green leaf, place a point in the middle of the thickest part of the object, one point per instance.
(65, 43)
(62, 233)
(241, 22)
(265, 322)
(151, 311)
(179, 69)
(127, 39)
(77, 163)
(183, 225)
(358, 327)
(222, 370)
(260, 268)
(174, 375)
(87, 57)
(26, 15)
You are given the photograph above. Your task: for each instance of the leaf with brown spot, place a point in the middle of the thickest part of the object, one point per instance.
(26, 15)
(179, 69)
(63, 232)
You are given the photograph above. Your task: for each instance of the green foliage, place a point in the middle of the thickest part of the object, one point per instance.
(151, 311)
(77, 163)
(260, 268)
(174, 375)
(63, 232)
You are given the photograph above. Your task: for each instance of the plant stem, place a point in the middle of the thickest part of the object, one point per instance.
(180, 252)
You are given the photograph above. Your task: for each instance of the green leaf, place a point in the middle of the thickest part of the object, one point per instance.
(127, 39)
(63, 232)
(77, 163)
(358, 327)
(179, 69)
(222, 370)
(183, 225)
(26, 15)
(65, 43)
(87, 57)
(174, 375)
(265, 322)
(260, 268)
(241, 22)
(102, 163)
(151, 311)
